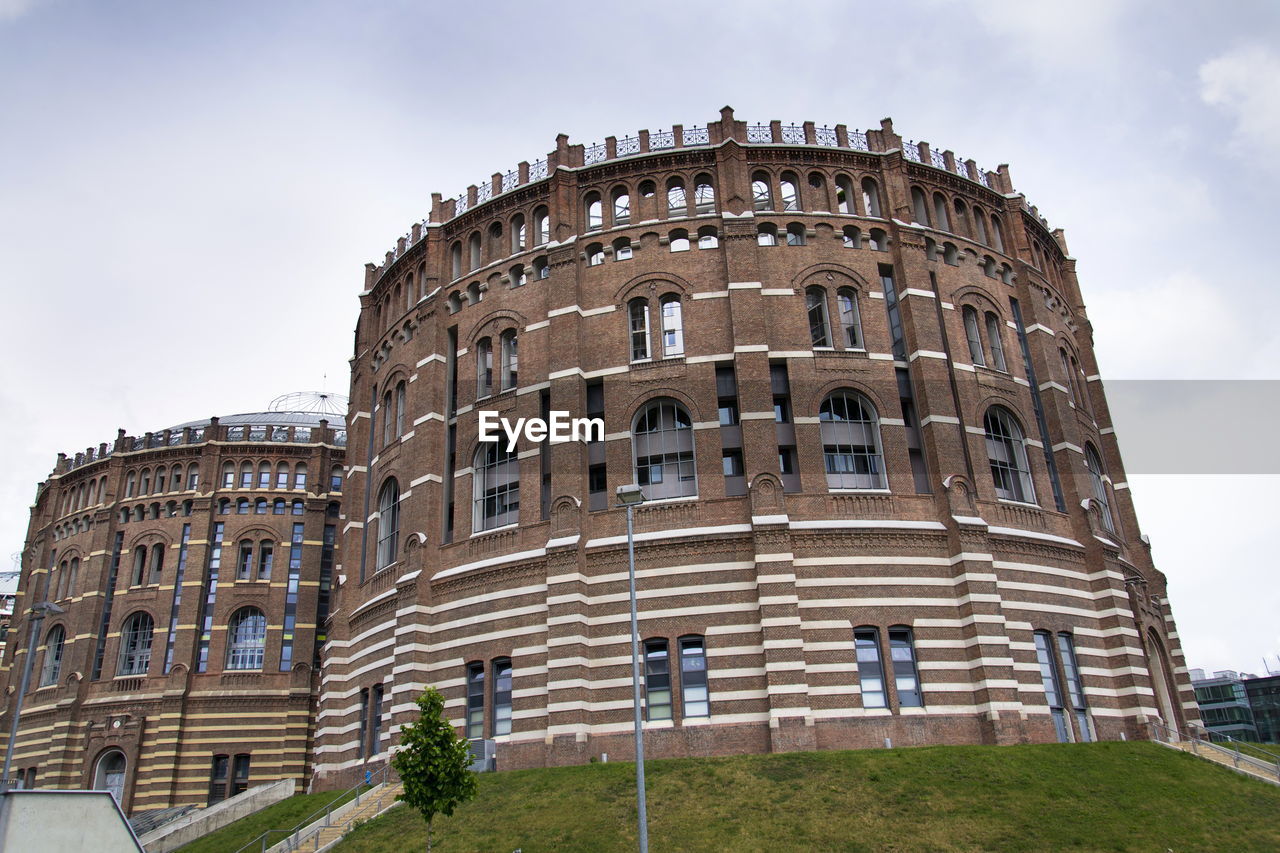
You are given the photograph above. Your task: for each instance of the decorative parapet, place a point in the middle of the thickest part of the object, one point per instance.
(713, 133)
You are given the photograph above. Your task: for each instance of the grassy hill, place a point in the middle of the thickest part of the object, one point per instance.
(1058, 797)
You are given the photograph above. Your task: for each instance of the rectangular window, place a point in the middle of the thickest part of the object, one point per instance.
(245, 562)
(639, 318)
(502, 696)
(672, 328)
(597, 487)
(906, 680)
(282, 479)
(786, 461)
(240, 775)
(694, 699)
(218, 779)
(732, 463)
(1075, 687)
(657, 680)
(1052, 687)
(362, 751)
(475, 700)
(728, 412)
(375, 713)
(870, 670)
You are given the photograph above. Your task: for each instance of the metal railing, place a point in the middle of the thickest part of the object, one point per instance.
(293, 839)
(1240, 753)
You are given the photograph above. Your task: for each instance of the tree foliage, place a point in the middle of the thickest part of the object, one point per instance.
(433, 762)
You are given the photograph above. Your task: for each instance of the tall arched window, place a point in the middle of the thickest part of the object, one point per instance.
(851, 442)
(767, 234)
(815, 300)
(595, 211)
(677, 202)
(850, 317)
(621, 206)
(973, 336)
(672, 326)
(980, 225)
(264, 475)
(1097, 479)
(246, 638)
(940, 218)
(53, 644)
(135, 645)
(496, 490)
(663, 447)
(1007, 453)
(455, 259)
(997, 233)
(996, 341)
(704, 195)
(870, 197)
(484, 367)
(789, 191)
(510, 360)
(795, 234)
(844, 195)
(473, 251)
(541, 226)
(109, 775)
(638, 314)
(761, 192)
(519, 237)
(919, 207)
(157, 563)
(962, 218)
(388, 522)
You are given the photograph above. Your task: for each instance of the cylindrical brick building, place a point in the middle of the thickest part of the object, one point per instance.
(854, 378)
(192, 566)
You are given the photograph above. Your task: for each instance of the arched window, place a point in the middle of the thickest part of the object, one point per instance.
(663, 448)
(622, 249)
(72, 577)
(704, 195)
(679, 240)
(246, 475)
(495, 240)
(973, 336)
(919, 207)
(1007, 453)
(852, 236)
(962, 218)
(266, 556)
(144, 482)
(510, 360)
(595, 255)
(410, 295)
(879, 239)
(484, 367)
(818, 199)
(455, 259)
(388, 424)
(335, 478)
(870, 197)
(53, 644)
(277, 508)
(707, 238)
(473, 251)
(694, 695)
(761, 192)
(135, 645)
(138, 577)
(541, 226)
(767, 234)
(228, 475)
(1097, 479)
(996, 341)
(162, 484)
(851, 442)
(244, 559)
(844, 195)
(109, 775)
(997, 233)
(282, 475)
(789, 191)
(980, 225)
(672, 326)
(870, 667)
(638, 314)
(815, 300)
(264, 475)
(246, 638)
(541, 269)
(130, 484)
(595, 211)
(519, 236)
(850, 317)
(677, 202)
(496, 491)
(940, 218)
(621, 206)
(157, 563)
(795, 234)
(242, 506)
(517, 276)
(902, 655)
(388, 523)
(297, 508)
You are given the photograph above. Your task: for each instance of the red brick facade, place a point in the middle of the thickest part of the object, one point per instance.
(776, 557)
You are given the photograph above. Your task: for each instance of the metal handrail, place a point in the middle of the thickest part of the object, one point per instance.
(374, 779)
(1171, 735)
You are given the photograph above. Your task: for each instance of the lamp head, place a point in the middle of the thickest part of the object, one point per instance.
(630, 495)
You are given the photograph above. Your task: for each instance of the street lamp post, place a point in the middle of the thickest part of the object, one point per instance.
(630, 497)
(38, 612)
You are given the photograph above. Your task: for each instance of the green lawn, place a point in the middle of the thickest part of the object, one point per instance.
(1109, 797)
(285, 814)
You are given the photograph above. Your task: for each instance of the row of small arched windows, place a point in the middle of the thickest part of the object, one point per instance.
(784, 194)
(163, 479)
(679, 201)
(957, 217)
(286, 476)
(153, 511)
(83, 495)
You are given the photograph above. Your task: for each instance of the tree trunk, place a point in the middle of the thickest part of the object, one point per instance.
(428, 836)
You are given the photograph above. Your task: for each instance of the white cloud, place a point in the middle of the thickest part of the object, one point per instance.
(1082, 33)
(1244, 83)
(13, 9)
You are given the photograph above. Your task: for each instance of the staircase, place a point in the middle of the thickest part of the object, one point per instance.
(327, 831)
(1249, 761)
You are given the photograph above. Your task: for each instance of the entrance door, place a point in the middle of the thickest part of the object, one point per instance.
(110, 774)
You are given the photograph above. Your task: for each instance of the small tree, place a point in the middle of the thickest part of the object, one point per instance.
(433, 763)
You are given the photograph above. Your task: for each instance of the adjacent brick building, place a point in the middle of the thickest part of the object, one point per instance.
(193, 565)
(856, 380)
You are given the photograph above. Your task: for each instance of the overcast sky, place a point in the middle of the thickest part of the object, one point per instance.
(189, 192)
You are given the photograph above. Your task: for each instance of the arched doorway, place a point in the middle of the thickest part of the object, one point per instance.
(110, 774)
(1162, 681)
